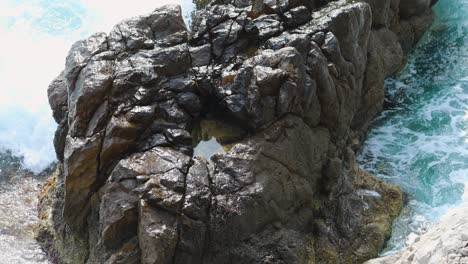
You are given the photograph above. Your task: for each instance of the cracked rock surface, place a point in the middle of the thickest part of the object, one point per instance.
(303, 78)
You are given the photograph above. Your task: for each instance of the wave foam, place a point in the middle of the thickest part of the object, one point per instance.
(420, 141)
(36, 36)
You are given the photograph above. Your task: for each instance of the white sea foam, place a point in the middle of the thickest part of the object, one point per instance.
(18, 218)
(371, 193)
(36, 36)
(420, 142)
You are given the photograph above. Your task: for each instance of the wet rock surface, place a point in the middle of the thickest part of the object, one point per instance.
(302, 78)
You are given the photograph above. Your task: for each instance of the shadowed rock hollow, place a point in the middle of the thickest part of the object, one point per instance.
(303, 78)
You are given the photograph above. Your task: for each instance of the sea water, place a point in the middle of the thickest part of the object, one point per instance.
(420, 141)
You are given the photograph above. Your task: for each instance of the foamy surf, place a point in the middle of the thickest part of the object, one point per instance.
(420, 140)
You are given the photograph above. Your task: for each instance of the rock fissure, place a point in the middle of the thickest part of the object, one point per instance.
(284, 165)
(208, 212)
(174, 258)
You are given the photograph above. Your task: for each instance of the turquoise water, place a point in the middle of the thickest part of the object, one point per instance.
(420, 141)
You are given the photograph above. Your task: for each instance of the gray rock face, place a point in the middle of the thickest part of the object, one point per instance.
(410, 8)
(58, 98)
(304, 78)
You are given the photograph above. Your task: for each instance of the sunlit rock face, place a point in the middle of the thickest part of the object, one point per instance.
(444, 243)
(298, 81)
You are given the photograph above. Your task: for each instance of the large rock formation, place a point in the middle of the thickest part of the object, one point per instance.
(304, 78)
(445, 243)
